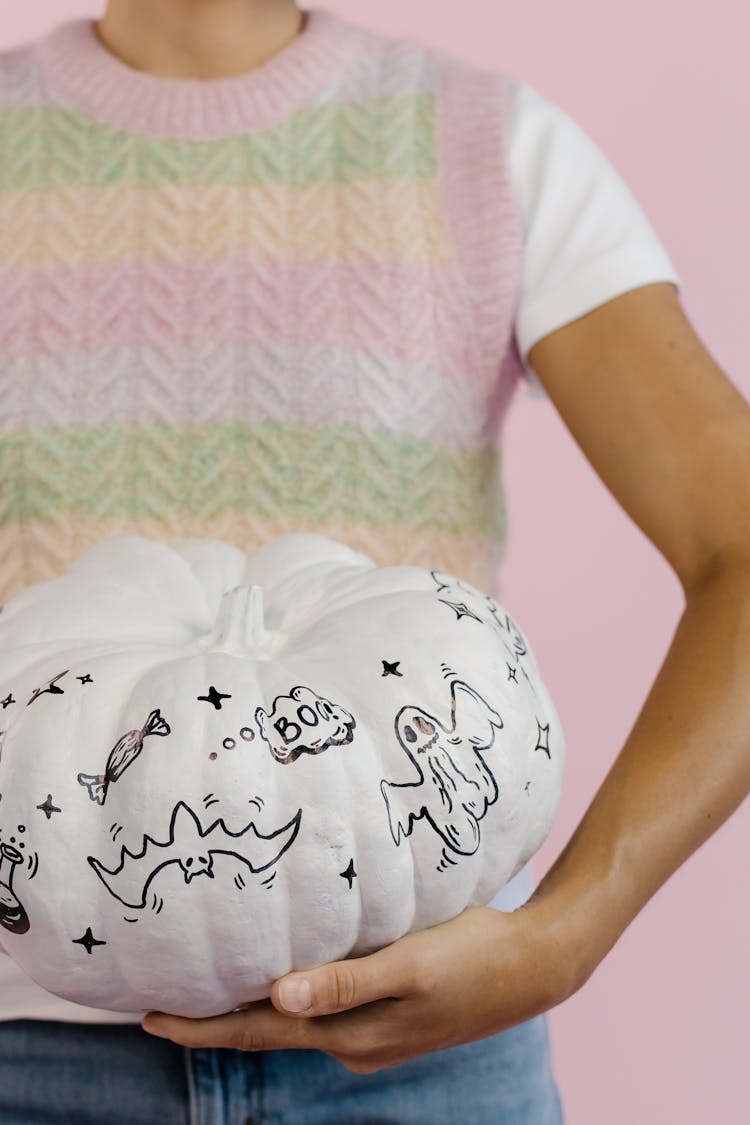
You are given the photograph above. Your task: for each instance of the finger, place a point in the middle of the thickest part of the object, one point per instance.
(243, 1030)
(341, 985)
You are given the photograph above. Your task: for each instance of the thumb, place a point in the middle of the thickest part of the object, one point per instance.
(341, 985)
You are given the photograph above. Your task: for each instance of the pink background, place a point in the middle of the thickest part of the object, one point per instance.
(658, 1035)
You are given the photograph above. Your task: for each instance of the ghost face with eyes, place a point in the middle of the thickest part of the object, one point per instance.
(417, 732)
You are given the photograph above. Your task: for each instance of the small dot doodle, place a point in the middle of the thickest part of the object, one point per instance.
(247, 734)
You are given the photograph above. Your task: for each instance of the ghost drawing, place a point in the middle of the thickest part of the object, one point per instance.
(455, 786)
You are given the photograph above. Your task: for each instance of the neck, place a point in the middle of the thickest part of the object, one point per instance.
(198, 38)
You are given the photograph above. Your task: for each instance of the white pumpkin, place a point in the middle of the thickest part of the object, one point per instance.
(216, 768)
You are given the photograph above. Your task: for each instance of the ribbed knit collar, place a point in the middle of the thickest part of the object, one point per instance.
(90, 77)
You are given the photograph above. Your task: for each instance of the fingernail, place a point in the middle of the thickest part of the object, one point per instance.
(295, 995)
(153, 1027)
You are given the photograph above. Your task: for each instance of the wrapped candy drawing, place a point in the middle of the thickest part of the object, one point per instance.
(217, 767)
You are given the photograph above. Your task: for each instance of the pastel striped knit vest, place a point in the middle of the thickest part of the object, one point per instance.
(234, 308)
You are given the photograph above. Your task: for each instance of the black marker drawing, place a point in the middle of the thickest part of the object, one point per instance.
(452, 797)
(391, 669)
(51, 688)
(485, 609)
(542, 741)
(121, 756)
(85, 679)
(247, 734)
(445, 861)
(193, 847)
(481, 603)
(520, 647)
(214, 697)
(454, 586)
(8, 700)
(350, 874)
(47, 807)
(88, 941)
(13, 916)
(461, 608)
(303, 723)
(464, 597)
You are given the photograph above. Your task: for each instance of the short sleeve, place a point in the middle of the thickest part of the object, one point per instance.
(586, 237)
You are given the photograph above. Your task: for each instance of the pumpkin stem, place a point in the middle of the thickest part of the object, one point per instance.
(239, 622)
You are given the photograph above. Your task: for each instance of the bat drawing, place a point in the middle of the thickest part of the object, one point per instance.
(455, 786)
(122, 755)
(194, 848)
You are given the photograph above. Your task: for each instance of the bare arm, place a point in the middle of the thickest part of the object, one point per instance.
(670, 436)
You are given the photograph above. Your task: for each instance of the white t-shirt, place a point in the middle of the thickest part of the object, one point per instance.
(586, 237)
(586, 240)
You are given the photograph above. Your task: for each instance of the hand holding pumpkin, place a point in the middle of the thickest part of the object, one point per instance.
(473, 976)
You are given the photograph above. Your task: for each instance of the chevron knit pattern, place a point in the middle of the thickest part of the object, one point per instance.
(279, 301)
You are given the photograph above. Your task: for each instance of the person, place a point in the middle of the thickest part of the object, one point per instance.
(268, 270)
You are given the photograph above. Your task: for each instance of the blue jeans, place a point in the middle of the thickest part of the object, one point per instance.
(116, 1074)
